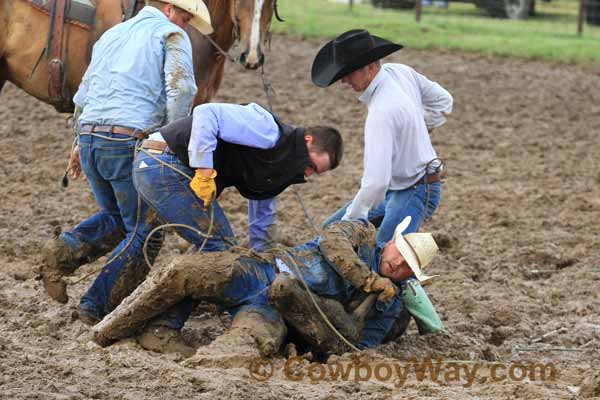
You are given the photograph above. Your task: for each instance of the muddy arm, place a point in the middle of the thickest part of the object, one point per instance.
(341, 241)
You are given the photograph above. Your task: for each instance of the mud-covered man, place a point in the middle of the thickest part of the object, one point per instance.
(140, 76)
(262, 291)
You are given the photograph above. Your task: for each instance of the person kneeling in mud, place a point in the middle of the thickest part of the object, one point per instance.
(341, 267)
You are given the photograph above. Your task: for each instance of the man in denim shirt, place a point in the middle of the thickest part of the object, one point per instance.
(344, 265)
(140, 76)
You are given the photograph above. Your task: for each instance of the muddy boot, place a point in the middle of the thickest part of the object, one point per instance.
(87, 316)
(290, 298)
(164, 340)
(57, 261)
(60, 260)
(252, 335)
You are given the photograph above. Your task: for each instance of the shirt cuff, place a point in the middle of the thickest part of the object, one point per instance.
(201, 159)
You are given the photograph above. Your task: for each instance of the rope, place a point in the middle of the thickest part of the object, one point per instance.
(65, 178)
(206, 236)
(225, 54)
(267, 87)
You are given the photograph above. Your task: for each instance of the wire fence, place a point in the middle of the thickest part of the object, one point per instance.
(588, 10)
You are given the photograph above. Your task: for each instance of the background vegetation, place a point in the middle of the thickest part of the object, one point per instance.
(551, 34)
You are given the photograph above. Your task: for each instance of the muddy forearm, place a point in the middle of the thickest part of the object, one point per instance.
(338, 243)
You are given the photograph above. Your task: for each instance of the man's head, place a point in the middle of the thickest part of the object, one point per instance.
(185, 12)
(362, 77)
(406, 255)
(325, 149)
(349, 52)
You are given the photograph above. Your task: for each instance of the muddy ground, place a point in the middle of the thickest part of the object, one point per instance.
(518, 227)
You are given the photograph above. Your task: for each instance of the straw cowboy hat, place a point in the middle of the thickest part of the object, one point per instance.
(201, 16)
(347, 53)
(418, 249)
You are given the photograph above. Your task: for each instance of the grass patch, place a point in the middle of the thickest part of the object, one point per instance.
(550, 35)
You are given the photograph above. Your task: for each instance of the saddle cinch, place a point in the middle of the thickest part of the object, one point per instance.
(78, 12)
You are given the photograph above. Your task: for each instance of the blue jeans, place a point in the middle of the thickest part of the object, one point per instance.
(107, 165)
(170, 195)
(419, 201)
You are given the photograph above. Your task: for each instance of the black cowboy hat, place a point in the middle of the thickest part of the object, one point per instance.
(347, 53)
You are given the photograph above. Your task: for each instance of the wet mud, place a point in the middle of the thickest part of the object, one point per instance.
(517, 228)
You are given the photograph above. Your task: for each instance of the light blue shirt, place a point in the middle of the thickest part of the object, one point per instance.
(141, 74)
(249, 125)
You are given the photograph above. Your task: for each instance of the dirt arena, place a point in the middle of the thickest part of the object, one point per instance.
(518, 228)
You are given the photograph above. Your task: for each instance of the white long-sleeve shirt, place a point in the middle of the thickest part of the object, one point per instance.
(402, 105)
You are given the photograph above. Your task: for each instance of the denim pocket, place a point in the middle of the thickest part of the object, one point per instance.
(115, 162)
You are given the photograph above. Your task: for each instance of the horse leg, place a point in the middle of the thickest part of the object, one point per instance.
(2, 73)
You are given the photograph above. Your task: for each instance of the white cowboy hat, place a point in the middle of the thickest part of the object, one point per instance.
(418, 249)
(201, 16)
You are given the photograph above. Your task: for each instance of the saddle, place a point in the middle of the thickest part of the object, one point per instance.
(77, 12)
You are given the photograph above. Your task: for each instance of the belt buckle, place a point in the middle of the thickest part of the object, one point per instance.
(154, 151)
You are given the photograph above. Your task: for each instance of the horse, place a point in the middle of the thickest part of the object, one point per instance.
(24, 41)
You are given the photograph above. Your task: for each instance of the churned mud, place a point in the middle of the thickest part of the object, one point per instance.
(517, 228)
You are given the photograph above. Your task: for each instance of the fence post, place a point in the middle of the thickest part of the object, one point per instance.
(351, 4)
(418, 11)
(580, 17)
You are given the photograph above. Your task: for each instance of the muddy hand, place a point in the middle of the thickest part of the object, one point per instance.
(376, 283)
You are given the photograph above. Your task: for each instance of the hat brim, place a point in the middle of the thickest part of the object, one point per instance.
(325, 71)
(408, 252)
(201, 24)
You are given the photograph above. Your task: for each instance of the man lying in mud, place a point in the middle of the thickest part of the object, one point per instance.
(262, 290)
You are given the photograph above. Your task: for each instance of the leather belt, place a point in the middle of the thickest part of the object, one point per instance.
(121, 130)
(156, 146)
(429, 179)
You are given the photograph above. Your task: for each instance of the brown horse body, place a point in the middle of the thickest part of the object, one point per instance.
(24, 29)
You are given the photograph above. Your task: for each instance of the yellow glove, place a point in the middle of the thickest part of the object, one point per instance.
(204, 186)
(376, 283)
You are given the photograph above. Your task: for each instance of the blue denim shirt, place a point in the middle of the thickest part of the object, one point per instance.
(323, 279)
(141, 74)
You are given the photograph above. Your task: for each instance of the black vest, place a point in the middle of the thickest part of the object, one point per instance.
(256, 173)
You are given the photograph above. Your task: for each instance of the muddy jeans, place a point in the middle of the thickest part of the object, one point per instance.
(232, 281)
(107, 166)
(419, 201)
(170, 195)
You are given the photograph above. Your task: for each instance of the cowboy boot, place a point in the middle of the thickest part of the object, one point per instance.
(59, 260)
(293, 302)
(165, 340)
